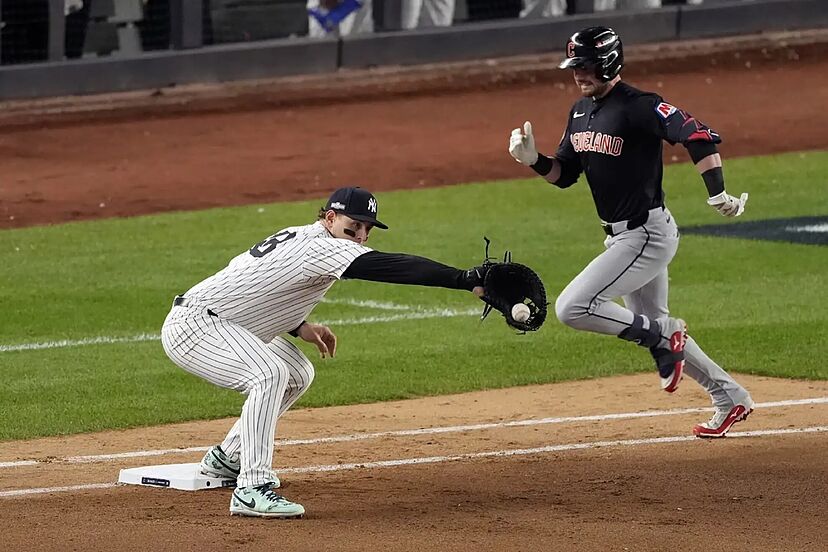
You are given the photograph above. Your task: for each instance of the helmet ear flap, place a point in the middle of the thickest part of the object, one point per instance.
(600, 72)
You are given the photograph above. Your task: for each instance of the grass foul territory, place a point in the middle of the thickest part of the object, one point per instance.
(83, 302)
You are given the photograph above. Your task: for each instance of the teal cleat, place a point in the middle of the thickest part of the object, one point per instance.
(262, 501)
(217, 464)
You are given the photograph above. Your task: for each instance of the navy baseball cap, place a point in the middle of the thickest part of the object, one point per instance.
(356, 203)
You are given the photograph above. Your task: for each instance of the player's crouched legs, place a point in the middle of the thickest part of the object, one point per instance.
(300, 369)
(256, 495)
(262, 500)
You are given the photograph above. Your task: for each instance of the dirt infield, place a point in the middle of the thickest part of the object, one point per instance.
(611, 483)
(263, 144)
(750, 493)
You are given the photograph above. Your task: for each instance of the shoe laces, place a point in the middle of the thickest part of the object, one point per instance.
(718, 419)
(226, 457)
(267, 491)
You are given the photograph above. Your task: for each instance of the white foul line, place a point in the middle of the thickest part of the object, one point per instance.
(42, 490)
(369, 304)
(469, 456)
(19, 463)
(106, 340)
(410, 313)
(422, 431)
(539, 450)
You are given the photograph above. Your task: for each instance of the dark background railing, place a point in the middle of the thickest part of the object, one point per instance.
(65, 47)
(53, 30)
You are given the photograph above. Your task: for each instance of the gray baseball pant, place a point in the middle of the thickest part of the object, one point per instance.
(634, 267)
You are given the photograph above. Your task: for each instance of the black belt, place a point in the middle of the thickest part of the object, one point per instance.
(181, 301)
(633, 223)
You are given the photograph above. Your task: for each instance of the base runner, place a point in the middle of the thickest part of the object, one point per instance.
(614, 137)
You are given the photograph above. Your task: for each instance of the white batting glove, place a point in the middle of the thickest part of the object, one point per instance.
(522, 145)
(728, 205)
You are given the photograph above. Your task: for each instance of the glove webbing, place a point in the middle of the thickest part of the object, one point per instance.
(507, 258)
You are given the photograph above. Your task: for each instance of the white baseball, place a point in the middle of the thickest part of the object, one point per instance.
(520, 312)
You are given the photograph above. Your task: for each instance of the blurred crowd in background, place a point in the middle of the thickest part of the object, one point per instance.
(129, 27)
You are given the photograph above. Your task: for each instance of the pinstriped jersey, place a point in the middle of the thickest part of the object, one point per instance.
(271, 288)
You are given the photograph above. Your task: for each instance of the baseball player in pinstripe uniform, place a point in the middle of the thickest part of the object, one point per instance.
(230, 330)
(614, 136)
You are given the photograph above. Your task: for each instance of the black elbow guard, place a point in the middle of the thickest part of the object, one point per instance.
(698, 150)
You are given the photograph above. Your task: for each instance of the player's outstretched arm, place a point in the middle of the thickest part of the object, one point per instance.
(506, 291)
(400, 268)
(709, 164)
(679, 127)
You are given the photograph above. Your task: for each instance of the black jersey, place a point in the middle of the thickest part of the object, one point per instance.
(616, 142)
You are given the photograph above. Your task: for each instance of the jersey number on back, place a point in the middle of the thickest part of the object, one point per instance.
(266, 246)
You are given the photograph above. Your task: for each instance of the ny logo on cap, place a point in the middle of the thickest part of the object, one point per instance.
(372, 205)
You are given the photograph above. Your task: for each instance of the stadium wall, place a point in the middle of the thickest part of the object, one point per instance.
(283, 57)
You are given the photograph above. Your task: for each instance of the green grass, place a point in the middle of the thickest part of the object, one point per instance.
(757, 307)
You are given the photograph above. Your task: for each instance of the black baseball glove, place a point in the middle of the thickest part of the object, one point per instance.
(507, 284)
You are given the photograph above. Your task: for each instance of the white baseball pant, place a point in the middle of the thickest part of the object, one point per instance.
(272, 375)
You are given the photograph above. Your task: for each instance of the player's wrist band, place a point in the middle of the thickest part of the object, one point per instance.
(543, 165)
(714, 181)
(295, 332)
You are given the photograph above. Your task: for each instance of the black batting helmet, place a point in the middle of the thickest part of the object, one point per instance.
(595, 46)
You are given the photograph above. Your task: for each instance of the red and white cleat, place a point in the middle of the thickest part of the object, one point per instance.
(722, 421)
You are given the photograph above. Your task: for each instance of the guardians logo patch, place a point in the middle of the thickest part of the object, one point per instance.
(665, 110)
